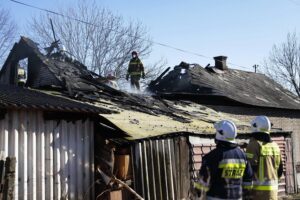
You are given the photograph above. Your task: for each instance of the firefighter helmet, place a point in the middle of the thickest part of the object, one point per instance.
(261, 124)
(226, 131)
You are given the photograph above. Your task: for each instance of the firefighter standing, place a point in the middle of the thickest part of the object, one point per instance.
(265, 159)
(135, 71)
(225, 171)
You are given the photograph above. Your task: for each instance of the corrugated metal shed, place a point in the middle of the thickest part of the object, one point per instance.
(54, 158)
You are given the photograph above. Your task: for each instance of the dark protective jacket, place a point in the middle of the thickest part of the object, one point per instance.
(135, 68)
(265, 158)
(224, 173)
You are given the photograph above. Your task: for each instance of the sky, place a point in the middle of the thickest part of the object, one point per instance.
(242, 30)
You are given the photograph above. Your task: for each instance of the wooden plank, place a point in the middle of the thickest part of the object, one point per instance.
(184, 168)
(152, 170)
(146, 170)
(165, 168)
(158, 161)
(177, 167)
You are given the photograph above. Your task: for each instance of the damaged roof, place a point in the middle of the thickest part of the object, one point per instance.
(17, 97)
(212, 85)
(62, 83)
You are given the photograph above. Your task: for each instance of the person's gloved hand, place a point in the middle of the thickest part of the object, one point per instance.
(127, 77)
(143, 75)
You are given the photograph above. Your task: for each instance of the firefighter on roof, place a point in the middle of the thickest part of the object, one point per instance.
(225, 171)
(135, 71)
(265, 158)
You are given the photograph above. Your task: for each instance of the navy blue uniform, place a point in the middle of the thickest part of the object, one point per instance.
(224, 172)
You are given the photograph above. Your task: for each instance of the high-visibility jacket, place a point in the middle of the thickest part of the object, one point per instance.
(265, 159)
(135, 68)
(224, 173)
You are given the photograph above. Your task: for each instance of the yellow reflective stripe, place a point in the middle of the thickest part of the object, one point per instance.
(270, 149)
(265, 187)
(249, 155)
(135, 63)
(199, 186)
(248, 187)
(261, 169)
(21, 72)
(232, 165)
(135, 73)
(230, 139)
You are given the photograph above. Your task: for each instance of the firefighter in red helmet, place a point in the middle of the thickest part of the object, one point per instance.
(135, 71)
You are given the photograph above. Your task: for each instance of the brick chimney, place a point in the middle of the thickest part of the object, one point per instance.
(220, 62)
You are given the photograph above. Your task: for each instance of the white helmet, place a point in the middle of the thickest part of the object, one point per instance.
(226, 131)
(261, 124)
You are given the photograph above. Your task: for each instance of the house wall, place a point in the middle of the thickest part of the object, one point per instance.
(286, 119)
(54, 158)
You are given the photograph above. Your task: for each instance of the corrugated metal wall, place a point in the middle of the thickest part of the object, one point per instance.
(162, 169)
(54, 158)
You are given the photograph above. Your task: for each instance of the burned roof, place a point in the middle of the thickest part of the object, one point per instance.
(17, 97)
(212, 85)
(61, 83)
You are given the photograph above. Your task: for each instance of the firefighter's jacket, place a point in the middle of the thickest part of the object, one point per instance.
(135, 68)
(265, 159)
(224, 173)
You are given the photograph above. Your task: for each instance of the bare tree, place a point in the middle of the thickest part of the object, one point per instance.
(7, 33)
(283, 64)
(104, 43)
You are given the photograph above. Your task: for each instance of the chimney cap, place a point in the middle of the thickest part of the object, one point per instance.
(220, 57)
(220, 62)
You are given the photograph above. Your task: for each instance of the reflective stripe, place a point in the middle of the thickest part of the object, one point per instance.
(135, 63)
(247, 185)
(232, 161)
(270, 149)
(201, 186)
(232, 165)
(21, 72)
(249, 155)
(135, 73)
(230, 139)
(265, 185)
(261, 171)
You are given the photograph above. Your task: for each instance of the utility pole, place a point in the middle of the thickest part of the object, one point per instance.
(255, 67)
